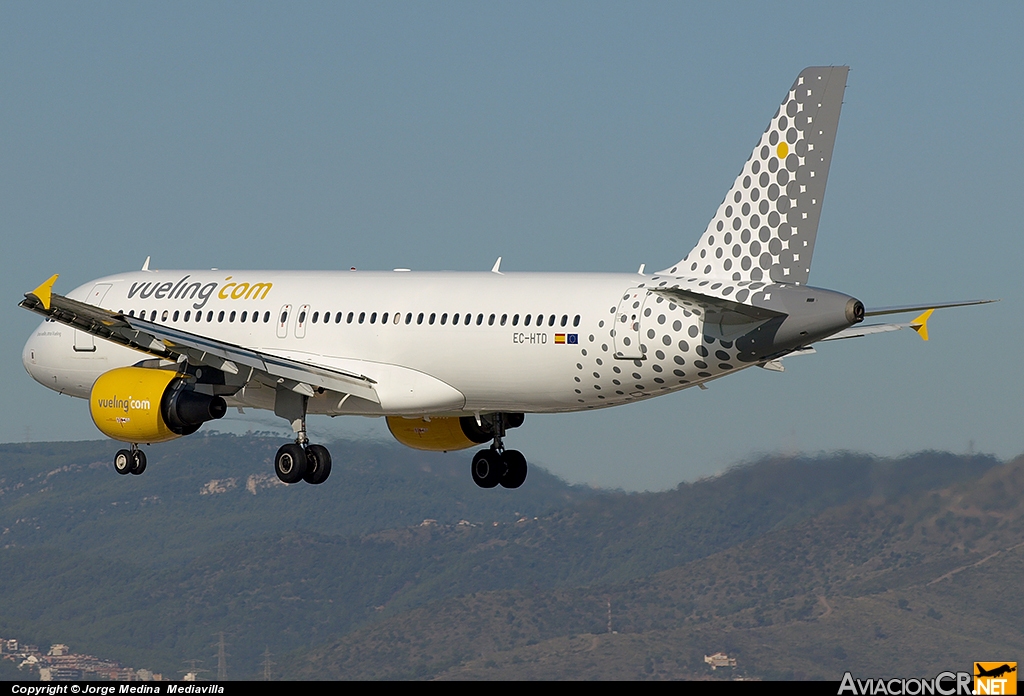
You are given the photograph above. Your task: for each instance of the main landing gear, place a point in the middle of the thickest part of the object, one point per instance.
(130, 461)
(301, 461)
(498, 465)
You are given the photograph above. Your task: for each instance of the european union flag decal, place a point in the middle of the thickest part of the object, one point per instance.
(572, 339)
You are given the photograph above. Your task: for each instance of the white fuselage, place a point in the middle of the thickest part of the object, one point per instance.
(533, 342)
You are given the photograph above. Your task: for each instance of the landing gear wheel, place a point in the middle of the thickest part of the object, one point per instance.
(138, 462)
(515, 469)
(123, 462)
(318, 464)
(488, 468)
(290, 463)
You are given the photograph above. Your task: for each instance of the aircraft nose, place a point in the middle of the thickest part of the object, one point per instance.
(30, 354)
(38, 354)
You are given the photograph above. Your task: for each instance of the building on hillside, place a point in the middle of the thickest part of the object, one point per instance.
(720, 659)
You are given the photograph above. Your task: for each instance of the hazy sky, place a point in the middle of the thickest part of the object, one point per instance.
(561, 136)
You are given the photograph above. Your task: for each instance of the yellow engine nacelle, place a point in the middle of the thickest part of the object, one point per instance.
(144, 404)
(437, 434)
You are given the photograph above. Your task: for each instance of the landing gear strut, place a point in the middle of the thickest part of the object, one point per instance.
(301, 461)
(130, 461)
(498, 465)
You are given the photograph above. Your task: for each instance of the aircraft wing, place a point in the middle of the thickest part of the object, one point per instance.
(175, 345)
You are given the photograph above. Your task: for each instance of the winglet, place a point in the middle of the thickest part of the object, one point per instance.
(497, 266)
(42, 293)
(920, 324)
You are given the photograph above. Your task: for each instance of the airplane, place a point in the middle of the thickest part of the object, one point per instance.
(454, 360)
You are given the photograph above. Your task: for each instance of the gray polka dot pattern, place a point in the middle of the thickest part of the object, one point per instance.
(666, 333)
(766, 226)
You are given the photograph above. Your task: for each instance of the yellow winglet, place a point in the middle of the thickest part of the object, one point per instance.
(920, 324)
(42, 293)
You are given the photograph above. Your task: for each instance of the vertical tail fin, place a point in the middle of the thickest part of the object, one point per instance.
(766, 226)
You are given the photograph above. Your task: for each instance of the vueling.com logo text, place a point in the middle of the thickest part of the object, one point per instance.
(125, 405)
(183, 290)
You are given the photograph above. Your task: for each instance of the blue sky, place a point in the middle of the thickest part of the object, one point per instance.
(561, 136)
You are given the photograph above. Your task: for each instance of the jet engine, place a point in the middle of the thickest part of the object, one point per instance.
(437, 434)
(144, 404)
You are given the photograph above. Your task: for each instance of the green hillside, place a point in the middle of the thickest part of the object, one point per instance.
(347, 580)
(909, 587)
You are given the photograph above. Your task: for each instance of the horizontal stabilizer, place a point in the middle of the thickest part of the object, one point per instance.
(723, 319)
(906, 309)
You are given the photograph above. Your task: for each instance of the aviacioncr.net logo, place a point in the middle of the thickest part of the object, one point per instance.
(945, 684)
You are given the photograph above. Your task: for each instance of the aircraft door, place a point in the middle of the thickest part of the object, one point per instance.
(300, 321)
(282, 321)
(85, 342)
(627, 324)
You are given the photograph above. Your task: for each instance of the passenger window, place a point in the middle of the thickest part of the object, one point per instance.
(266, 317)
(241, 319)
(504, 318)
(432, 317)
(373, 318)
(131, 312)
(419, 319)
(349, 319)
(302, 317)
(362, 317)
(576, 320)
(337, 318)
(444, 318)
(479, 319)
(175, 317)
(565, 319)
(408, 318)
(188, 315)
(316, 317)
(152, 317)
(232, 317)
(455, 319)
(384, 318)
(526, 321)
(515, 320)
(490, 320)
(220, 316)
(469, 318)
(284, 318)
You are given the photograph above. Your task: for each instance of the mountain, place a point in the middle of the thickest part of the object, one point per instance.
(400, 567)
(907, 586)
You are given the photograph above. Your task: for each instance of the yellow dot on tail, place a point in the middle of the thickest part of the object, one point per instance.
(782, 150)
